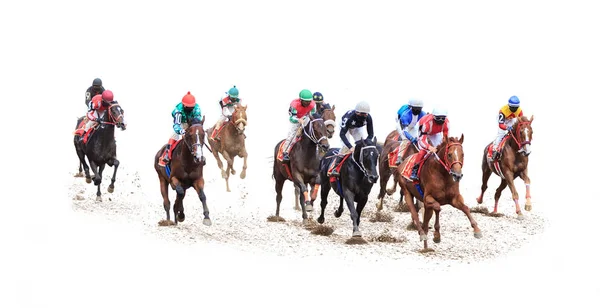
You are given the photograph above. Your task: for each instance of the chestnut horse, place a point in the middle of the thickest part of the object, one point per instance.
(439, 180)
(232, 143)
(387, 183)
(329, 120)
(512, 163)
(101, 148)
(303, 168)
(184, 171)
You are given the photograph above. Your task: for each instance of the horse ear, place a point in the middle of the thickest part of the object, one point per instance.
(202, 121)
(531, 118)
(333, 107)
(462, 137)
(245, 107)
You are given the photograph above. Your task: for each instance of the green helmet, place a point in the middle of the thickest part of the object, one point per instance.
(233, 92)
(306, 95)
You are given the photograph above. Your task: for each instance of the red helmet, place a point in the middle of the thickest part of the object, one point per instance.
(188, 100)
(107, 95)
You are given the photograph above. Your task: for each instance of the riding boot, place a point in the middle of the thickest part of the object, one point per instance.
(495, 154)
(415, 169)
(164, 159)
(286, 155)
(398, 159)
(333, 169)
(215, 133)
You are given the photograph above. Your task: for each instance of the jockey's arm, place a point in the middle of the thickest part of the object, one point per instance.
(293, 112)
(227, 111)
(370, 131)
(502, 121)
(177, 123)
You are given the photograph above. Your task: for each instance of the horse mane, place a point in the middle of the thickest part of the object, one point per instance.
(195, 121)
(316, 115)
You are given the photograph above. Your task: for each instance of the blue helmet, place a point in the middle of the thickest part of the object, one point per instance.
(318, 97)
(513, 101)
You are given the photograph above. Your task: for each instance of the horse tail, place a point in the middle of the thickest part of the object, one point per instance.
(275, 160)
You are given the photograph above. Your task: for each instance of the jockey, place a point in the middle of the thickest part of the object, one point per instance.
(406, 122)
(506, 119)
(98, 106)
(432, 127)
(183, 113)
(318, 98)
(300, 109)
(95, 89)
(227, 108)
(358, 124)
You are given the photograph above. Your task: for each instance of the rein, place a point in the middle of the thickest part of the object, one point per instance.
(311, 133)
(360, 158)
(445, 163)
(517, 137)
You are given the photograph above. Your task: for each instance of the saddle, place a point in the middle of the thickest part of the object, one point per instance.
(216, 132)
(410, 163)
(338, 167)
(397, 151)
(490, 149)
(80, 131)
(281, 148)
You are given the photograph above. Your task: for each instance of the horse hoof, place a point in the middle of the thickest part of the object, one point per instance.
(243, 175)
(423, 237)
(478, 234)
(111, 189)
(97, 181)
(232, 171)
(207, 222)
(379, 205)
(309, 208)
(520, 216)
(479, 200)
(390, 192)
(180, 217)
(88, 180)
(99, 198)
(528, 204)
(356, 234)
(437, 239)
(337, 214)
(321, 220)
(78, 175)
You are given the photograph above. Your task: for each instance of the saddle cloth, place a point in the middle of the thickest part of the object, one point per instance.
(490, 149)
(280, 151)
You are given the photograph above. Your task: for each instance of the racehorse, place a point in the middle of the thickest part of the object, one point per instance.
(358, 173)
(99, 146)
(231, 144)
(387, 182)
(328, 116)
(440, 174)
(303, 167)
(184, 171)
(512, 163)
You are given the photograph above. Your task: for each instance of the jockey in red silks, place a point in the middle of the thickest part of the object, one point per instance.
(433, 126)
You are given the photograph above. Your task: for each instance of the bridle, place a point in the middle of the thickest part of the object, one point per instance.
(360, 163)
(518, 137)
(311, 133)
(198, 145)
(238, 121)
(444, 161)
(111, 116)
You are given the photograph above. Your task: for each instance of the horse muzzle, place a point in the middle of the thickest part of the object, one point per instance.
(456, 176)
(372, 178)
(202, 160)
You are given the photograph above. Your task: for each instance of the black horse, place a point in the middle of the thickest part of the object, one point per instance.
(303, 167)
(100, 148)
(358, 173)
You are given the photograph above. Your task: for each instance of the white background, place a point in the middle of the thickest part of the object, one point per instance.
(469, 56)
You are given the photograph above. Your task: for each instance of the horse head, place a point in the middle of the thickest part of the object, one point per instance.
(239, 119)
(194, 140)
(366, 156)
(328, 116)
(317, 133)
(116, 115)
(452, 156)
(522, 133)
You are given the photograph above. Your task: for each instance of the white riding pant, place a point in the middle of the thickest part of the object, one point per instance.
(357, 133)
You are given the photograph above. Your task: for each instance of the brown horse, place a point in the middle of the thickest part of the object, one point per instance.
(184, 171)
(440, 175)
(329, 120)
(512, 163)
(387, 183)
(231, 144)
(303, 168)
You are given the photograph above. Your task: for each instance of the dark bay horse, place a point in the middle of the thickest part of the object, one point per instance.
(184, 171)
(232, 143)
(328, 116)
(387, 183)
(100, 148)
(439, 180)
(512, 163)
(358, 173)
(303, 167)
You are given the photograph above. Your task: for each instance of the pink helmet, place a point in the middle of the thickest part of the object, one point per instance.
(107, 95)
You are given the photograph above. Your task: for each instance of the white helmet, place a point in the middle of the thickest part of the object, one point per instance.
(363, 107)
(415, 103)
(438, 111)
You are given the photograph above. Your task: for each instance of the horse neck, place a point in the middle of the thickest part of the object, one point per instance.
(436, 166)
(186, 155)
(105, 133)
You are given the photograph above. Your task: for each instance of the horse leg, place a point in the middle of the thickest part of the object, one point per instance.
(245, 156)
(111, 187)
(499, 190)
(279, 181)
(340, 208)
(199, 187)
(178, 206)
(360, 205)
(228, 170)
(297, 198)
(324, 193)
(99, 177)
(219, 162)
(86, 168)
(525, 179)
(459, 203)
(515, 195)
(164, 191)
(385, 175)
(487, 172)
(349, 197)
(304, 203)
(414, 214)
(430, 204)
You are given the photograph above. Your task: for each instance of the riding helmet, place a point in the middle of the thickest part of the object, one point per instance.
(318, 97)
(189, 100)
(363, 107)
(513, 101)
(107, 96)
(233, 92)
(305, 95)
(97, 82)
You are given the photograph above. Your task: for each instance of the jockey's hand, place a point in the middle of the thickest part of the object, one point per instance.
(432, 149)
(301, 121)
(181, 131)
(98, 120)
(351, 149)
(105, 104)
